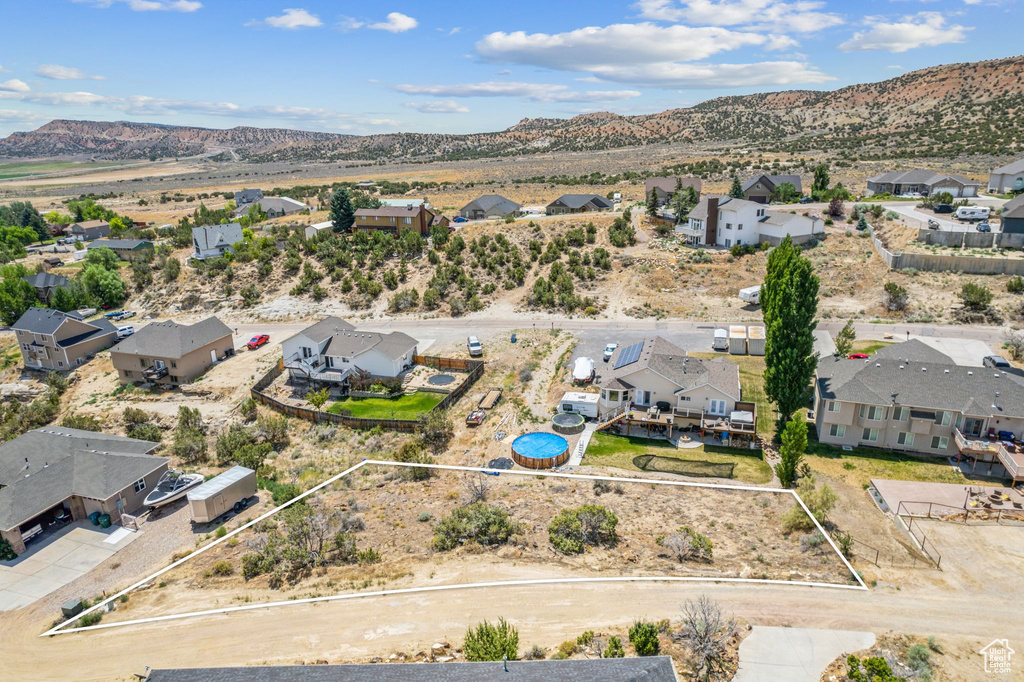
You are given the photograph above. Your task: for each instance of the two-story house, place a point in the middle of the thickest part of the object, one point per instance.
(210, 241)
(58, 341)
(763, 188)
(394, 219)
(46, 284)
(332, 350)
(1008, 178)
(724, 221)
(911, 397)
(88, 230)
(248, 196)
(653, 386)
(169, 353)
(664, 187)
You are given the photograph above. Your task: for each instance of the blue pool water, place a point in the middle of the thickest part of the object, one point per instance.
(539, 445)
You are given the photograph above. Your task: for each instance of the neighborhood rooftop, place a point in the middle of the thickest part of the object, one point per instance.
(172, 339)
(351, 343)
(41, 280)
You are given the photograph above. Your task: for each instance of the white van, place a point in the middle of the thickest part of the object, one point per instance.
(125, 331)
(972, 213)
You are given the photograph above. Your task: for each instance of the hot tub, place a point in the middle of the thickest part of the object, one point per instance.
(567, 422)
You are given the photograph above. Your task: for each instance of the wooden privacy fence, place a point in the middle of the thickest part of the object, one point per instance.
(474, 367)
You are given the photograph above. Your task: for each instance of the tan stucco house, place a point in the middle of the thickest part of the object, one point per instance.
(54, 474)
(57, 341)
(170, 353)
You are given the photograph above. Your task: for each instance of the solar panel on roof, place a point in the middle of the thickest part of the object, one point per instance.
(629, 355)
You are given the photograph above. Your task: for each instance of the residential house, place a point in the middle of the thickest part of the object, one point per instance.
(664, 188)
(248, 196)
(724, 221)
(210, 241)
(654, 387)
(126, 249)
(274, 207)
(490, 206)
(911, 397)
(402, 203)
(57, 341)
(578, 203)
(394, 219)
(441, 221)
(761, 188)
(646, 668)
(45, 284)
(924, 182)
(332, 351)
(315, 229)
(90, 229)
(55, 474)
(1008, 178)
(170, 353)
(1013, 215)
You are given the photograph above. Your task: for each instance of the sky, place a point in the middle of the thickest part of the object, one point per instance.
(458, 66)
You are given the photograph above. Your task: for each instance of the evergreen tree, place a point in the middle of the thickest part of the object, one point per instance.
(736, 191)
(343, 216)
(789, 301)
(845, 339)
(652, 204)
(821, 180)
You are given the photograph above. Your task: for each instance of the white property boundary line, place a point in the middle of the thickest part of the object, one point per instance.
(60, 629)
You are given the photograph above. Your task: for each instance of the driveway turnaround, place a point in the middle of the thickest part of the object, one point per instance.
(55, 561)
(771, 654)
(964, 352)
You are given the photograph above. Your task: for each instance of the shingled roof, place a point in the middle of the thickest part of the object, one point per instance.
(172, 339)
(581, 200)
(1014, 208)
(672, 362)
(775, 181)
(493, 201)
(45, 280)
(353, 343)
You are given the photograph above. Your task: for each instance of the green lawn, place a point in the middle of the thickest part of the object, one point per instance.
(618, 451)
(860, 465)
(402, 407)
(869, 347)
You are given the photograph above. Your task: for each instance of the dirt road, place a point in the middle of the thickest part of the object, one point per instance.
(361, 629)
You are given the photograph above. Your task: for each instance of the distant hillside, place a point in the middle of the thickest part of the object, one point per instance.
(942, 111)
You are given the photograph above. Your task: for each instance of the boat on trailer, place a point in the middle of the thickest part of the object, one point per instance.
(172, 486)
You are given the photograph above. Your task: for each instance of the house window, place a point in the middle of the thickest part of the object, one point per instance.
(872, 413)
(870, 435)
(900, 414)
(728, 242)
(944, 418)
(760, 213)
(740, 226)
(833, 406)
(306, 352)
(939, 442)
(128, 374)
(904, 438)
(140, 485)
(728, 226)
(613, 396)
(837, 430)
(757, 186)
(717, 407)
(174, 364)
(684, 398)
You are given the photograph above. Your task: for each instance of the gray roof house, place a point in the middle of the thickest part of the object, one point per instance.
(46, 284)
(578, 203)
(248, 196)
(761, 188)
(210, 241)
(1013, 215)
(911, 397)
(274, 207)
(59, 472)
(665, 187)
(52, 340)
(1008, 178)
(171, 353)
(922, 181)
(686, 391)
(88, 230)
(634, 669)
(332, 351)
(490, 206)
(126, 249)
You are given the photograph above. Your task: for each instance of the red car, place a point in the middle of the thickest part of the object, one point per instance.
(257, 341)
(858, 356)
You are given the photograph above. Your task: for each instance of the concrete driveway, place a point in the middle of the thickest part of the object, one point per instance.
(769, 654)
(965, 352)
(53, 562)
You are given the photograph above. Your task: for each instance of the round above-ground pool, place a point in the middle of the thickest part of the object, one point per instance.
(441, 379)
(567, 422)
(540, 450)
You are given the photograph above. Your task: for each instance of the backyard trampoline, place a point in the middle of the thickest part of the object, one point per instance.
(567, 422)
(540, 450)
(441, 379)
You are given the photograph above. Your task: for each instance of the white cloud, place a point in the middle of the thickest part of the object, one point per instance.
(65, 73)
(449, 31)
(440, 106)
(350, 24)
(537, 92)
(3, 70)
(396, 23)
(292, 19)
(924, 29)
(14, 85)
(652, 55)
(802, 16)
(149, 5)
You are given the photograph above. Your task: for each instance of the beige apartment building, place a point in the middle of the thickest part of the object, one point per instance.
(52, 340)
(169, 353)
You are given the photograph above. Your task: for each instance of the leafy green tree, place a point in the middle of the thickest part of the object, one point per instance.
(16, 296)
(488, 642)
(785, 192)
(318, 398)
(736, 190)
(789, 302)
(342, 215)
(103, 286)
(794, 444)
(821, 180)
(644, 638)
(437, 429)
(614, 649)
(104, 257)
(845, 338)
(171, 270)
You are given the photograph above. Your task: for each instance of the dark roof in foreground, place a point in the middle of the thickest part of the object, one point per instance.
(41, 280)
(1014, 208)
(581, 200)
(649, 669)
